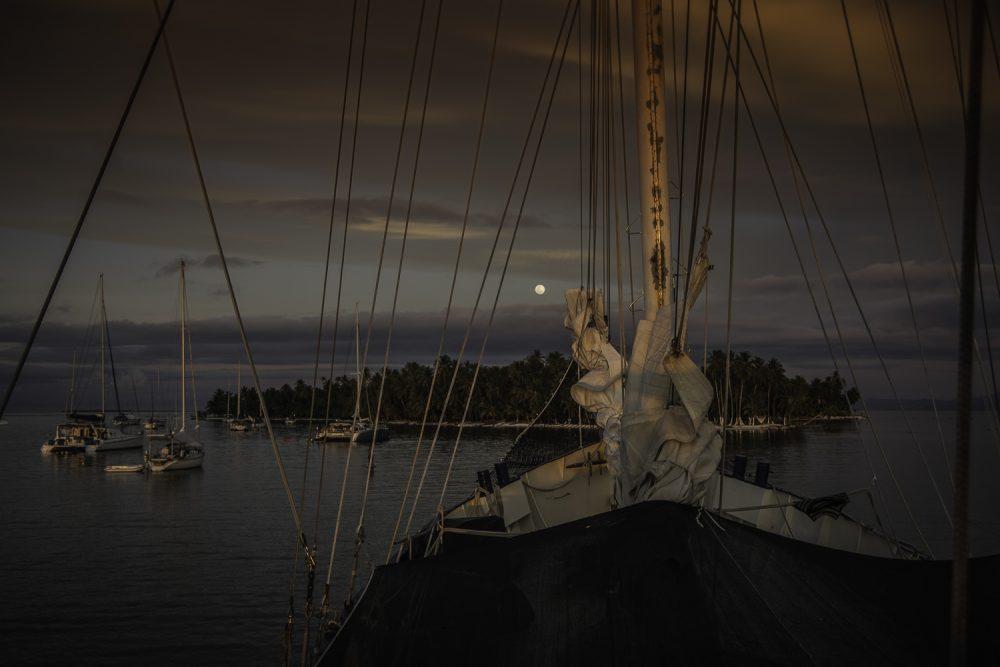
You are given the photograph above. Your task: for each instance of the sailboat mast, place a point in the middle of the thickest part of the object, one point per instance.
(100, 287)
(239, 387)
(651, 114)
(357, 363)
(183, 354)
(71, 402)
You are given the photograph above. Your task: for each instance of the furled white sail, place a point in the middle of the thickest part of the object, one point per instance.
(599, 391)
(669, 451)
(655, 450)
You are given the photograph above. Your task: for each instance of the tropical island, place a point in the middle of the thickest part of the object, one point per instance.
(761, 393)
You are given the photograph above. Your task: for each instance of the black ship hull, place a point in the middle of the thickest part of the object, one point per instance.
(660, 583)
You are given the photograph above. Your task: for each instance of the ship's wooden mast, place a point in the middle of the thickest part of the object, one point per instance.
(654, 223)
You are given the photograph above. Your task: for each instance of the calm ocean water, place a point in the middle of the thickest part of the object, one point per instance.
(194, 567)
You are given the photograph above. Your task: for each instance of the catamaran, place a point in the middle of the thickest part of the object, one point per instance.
(182, 451)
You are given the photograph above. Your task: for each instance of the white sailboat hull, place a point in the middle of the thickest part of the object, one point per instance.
(167, 465)
(110, 444)
(365, 435)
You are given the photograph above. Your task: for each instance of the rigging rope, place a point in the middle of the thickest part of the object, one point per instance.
(86, 209)
(681, 183)
(626, 181)
(454, 280)
(111, 355)
(510, 248)
(899, 259)
(296, 518)
(791, 236)
(311, 576)
(340, 280)
(727, 378)
(489, 263)
(703, 121)
(340, 283)
(797, 165)
(555, 392)
(359, 533)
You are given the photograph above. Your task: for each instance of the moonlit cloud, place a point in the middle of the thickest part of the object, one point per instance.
(263, 86)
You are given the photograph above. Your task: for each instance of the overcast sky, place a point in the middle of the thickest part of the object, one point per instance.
(263, 83)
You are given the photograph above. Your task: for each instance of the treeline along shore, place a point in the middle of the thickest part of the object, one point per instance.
(760, 391)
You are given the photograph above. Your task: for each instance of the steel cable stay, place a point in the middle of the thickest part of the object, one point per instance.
(311, 573)
(740, 35)
(395, 296)
(98, 179)
(681, 182)
(896, 56)
(325, 607)
(891, 218)
(81, 353)
(821, 273)
(625, 179)
(579, 60)
(614, 76)
(704, 114)
(111, 355)
(454, 280)
(486, 271)
(710, 195)
(797, 165)
(727, 373)
(296, 517)
(510, 248)
(592, 143)
(361, 363)
(347, 463)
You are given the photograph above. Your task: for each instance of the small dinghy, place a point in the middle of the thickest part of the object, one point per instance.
(138, 467)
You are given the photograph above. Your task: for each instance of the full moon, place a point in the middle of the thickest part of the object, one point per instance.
(539, 289)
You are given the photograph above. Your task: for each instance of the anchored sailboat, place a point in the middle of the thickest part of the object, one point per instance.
(90, 433)
(358, 430)
(239, 424)
(182, 451)
(154, 423)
